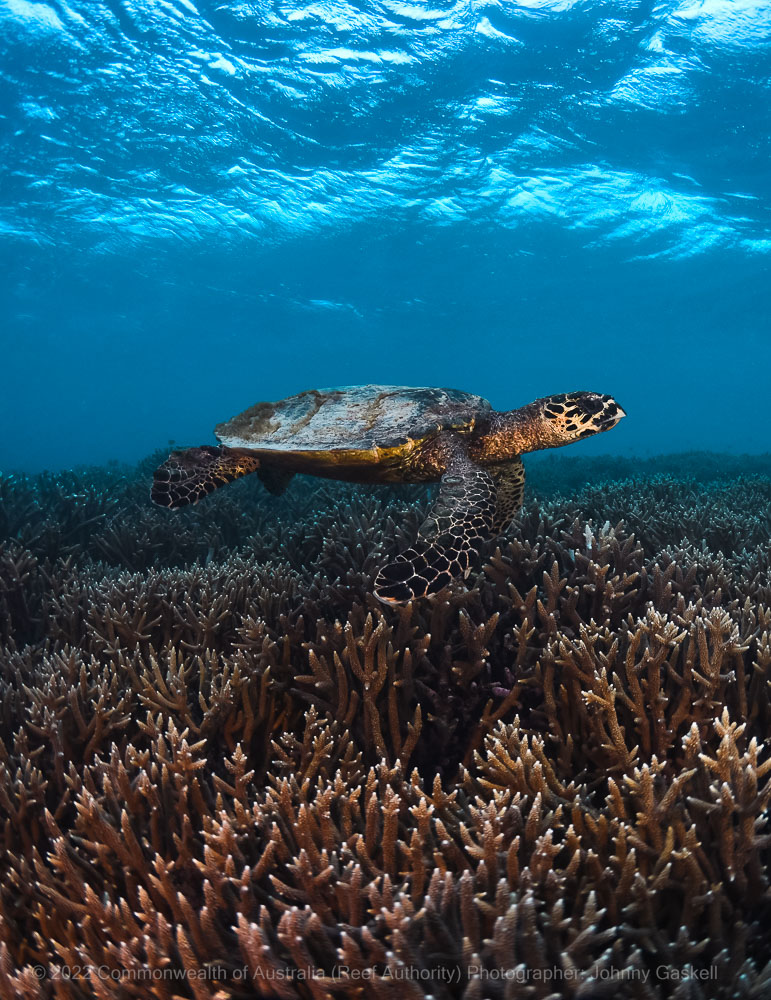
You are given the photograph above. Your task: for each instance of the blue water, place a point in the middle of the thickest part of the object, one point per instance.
(207, 204)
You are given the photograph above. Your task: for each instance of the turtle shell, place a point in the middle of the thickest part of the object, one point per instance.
(355, 420)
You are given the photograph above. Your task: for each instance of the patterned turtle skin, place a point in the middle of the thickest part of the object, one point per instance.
(388, 434)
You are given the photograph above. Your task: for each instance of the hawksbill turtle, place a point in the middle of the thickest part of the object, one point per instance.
(396, 434)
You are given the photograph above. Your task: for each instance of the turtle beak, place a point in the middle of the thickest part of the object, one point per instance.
(611, 414)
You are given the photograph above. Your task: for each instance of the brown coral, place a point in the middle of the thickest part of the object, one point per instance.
(239, 776)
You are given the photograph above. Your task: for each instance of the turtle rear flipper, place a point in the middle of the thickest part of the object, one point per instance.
(460, 520)
(187, 476)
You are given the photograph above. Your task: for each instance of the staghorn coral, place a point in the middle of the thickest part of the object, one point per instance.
(226, 772)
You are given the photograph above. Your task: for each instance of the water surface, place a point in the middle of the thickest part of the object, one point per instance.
(206, 204)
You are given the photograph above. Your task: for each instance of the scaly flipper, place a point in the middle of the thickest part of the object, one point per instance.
(187, 476)
(509, 479)
(461, 519)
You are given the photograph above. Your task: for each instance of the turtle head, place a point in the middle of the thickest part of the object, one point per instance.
(575, 415)
(554, 421)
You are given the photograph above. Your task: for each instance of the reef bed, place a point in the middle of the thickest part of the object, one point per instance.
(226, 771)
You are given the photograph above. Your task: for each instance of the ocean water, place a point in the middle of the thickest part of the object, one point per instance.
(227, 770)
(206, 204)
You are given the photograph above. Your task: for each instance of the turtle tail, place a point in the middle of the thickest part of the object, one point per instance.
(187, 476)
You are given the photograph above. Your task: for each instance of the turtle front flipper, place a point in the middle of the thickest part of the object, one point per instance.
(459, 521)
(509, 480)
(187, 476)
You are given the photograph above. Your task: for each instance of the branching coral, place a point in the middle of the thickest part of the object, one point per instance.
(236, 775)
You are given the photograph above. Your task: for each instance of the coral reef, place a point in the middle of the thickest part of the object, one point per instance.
(226, 771)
